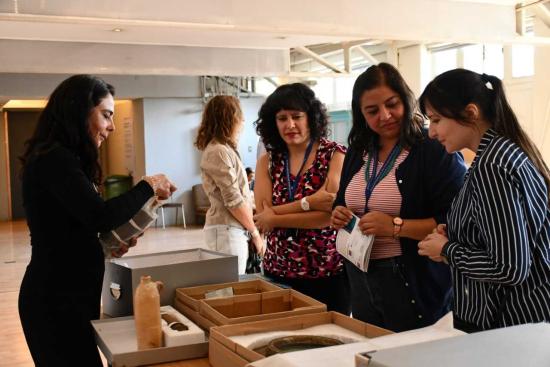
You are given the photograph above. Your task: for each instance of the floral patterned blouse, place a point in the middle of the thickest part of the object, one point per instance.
(302, 253)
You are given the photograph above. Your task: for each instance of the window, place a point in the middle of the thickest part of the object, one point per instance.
(443, 61)
(473, 58)
(480, 58)
(493, 61)
(523, 61)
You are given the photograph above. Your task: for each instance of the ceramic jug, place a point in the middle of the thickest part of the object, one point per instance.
(147, 314)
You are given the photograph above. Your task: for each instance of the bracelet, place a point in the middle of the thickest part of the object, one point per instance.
(255, 233)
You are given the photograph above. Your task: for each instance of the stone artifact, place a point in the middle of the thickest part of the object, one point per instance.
(147, 314)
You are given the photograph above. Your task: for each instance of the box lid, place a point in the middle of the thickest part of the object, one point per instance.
(117, 340)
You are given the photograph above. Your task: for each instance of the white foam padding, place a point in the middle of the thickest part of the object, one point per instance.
(174, 338)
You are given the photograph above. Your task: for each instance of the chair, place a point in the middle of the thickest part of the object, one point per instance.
(177, 206)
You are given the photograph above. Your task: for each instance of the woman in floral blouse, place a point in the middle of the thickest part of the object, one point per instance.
(296, 182)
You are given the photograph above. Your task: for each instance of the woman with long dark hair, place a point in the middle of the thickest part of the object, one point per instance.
(497, 239)
(400, 184)
(61, 289)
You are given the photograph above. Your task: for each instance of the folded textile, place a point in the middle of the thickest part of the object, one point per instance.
(113, 240)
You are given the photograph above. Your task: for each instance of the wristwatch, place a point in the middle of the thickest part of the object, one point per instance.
(397, 223)
(304, 204)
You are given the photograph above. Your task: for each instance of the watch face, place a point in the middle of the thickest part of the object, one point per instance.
(397, 221)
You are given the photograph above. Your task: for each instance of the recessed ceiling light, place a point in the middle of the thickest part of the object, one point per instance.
(116, 29)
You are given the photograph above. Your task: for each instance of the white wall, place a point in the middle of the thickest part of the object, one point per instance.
(248, 142)
(170, 125)
(32, 86)
(414, 64)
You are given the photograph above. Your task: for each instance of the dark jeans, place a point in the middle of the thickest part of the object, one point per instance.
(381, 296)
(332, 291)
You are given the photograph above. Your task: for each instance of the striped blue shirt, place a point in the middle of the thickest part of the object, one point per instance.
(499, 239)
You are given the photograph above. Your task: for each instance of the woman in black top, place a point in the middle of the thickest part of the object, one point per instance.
(61, 289)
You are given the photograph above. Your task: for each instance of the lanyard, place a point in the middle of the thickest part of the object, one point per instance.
(293, 184)
(375, 178)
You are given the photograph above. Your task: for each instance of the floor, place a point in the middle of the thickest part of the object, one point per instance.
(14, 256)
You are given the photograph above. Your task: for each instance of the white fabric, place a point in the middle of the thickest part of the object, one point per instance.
(228, 240)
(113, 240)
(344, 355)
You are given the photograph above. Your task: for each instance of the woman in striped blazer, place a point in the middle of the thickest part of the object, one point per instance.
(497, 240)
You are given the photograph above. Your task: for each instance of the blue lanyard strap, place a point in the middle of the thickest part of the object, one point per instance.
(293, 184)
(376, 178)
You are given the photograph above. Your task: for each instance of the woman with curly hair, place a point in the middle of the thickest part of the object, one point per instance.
(229, 221)
(296, 182)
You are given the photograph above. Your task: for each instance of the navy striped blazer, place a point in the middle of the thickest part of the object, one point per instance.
(499, 239)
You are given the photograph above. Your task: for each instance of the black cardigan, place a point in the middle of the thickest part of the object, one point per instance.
(428, 180)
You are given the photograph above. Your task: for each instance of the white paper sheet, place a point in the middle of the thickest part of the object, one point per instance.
(352, 244)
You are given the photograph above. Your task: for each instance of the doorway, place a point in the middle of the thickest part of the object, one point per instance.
(21, 125)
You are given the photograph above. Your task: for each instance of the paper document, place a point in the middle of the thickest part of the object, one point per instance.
(352, 244)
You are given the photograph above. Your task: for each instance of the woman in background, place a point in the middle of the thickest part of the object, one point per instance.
(229, 220)
(400, 184)
(295, 185)
(497, 239)
(61, 289)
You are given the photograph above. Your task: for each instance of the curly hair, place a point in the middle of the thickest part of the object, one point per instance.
(297, 97)
(361, 136)
(65, 122)
(220, 118)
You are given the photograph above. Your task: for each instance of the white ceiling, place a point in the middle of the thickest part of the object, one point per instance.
(217, 36)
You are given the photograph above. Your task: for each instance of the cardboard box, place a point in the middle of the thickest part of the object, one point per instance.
(116, 338)
(192, 296)
(175, 269)
(223, 352)
(260, 306)
(194, 316)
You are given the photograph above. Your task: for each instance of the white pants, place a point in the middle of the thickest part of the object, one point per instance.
(228, 240)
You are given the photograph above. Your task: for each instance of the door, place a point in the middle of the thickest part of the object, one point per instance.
(21, 125)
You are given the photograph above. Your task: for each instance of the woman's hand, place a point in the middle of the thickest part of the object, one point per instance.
(322, 200)
(441, 229)
(377, 223)
(161, 185)
(432, 246)
(340, 217)
(264, 220)
(124, 247)
(258, 243)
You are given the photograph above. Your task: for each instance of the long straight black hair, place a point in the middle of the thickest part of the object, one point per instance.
(65, 122)
(450, 93)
